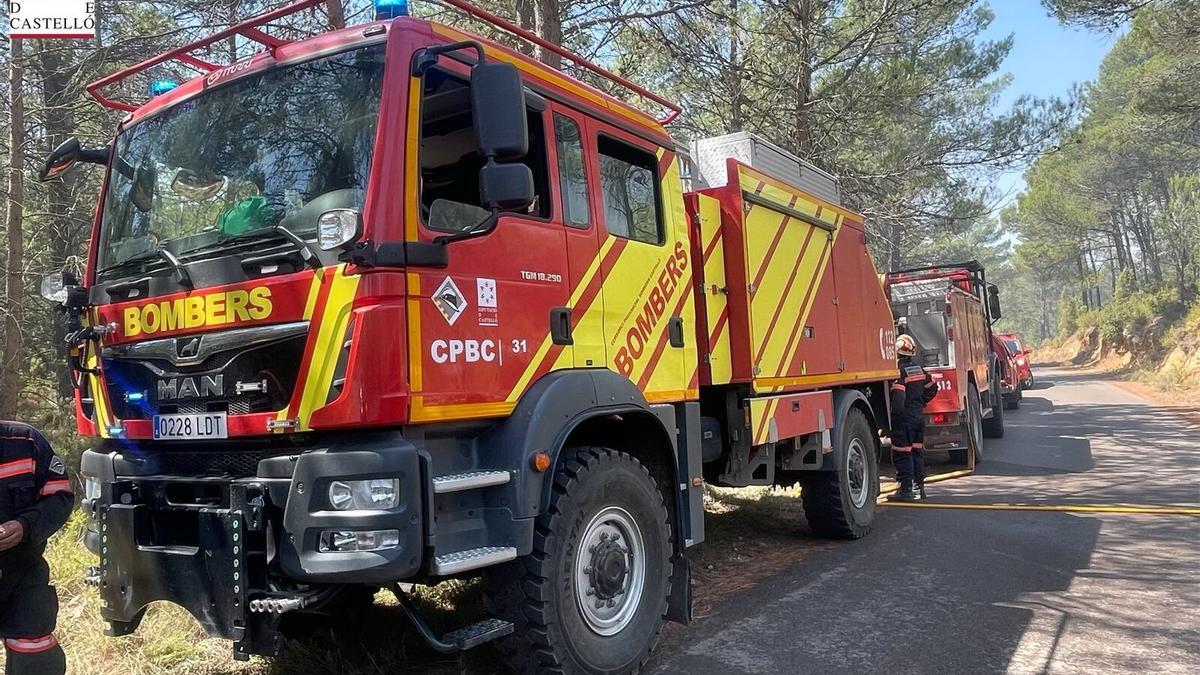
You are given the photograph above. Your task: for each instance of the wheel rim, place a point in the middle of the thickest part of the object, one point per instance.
(856, 473)
(610, 571)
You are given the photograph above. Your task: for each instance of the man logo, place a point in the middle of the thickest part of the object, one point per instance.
(188, 348)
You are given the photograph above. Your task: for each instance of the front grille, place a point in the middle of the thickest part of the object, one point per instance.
(132, 375)
(209, 463)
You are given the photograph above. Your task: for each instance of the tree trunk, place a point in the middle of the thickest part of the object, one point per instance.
(337, 14)
(68, 227)
(737, 116)
(548, 20)
(526, 19)
(802, 130)
(14, 286)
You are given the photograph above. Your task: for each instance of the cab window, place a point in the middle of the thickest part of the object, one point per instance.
(450, 161)
(572, 180)
(629, 188)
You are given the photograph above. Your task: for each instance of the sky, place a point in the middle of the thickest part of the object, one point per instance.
(1046, 59)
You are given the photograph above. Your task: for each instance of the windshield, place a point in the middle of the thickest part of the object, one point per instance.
(1014, 347)
(273, 149)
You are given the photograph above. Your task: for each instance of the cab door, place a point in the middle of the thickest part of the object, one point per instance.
(480, 328)
(576, 210)
(649, 317)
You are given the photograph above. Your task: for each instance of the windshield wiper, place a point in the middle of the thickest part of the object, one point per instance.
(307, 252)
(181, 273)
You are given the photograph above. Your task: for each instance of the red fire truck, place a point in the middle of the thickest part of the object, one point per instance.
(949, 311)
(398, 303)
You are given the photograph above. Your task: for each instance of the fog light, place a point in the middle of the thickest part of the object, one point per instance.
(375, 494)
(91, 488)
(363, 540)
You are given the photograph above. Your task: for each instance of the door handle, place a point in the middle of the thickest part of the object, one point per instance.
(560, 326)
(675, 331)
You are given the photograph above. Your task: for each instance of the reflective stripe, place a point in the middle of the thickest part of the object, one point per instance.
(902, 448)
(53, 487)
(898, 386)
(16, 468)
(31, 645)
(914, 378)
(919, 446)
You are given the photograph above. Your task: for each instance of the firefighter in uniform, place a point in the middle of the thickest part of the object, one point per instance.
(910, 394)
(35, 501)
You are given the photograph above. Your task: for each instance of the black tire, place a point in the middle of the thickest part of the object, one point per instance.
(971, 429)
(993, 427)
(538, 592)
(829, 497)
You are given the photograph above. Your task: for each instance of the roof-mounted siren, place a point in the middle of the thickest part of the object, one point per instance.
(390, 9)
(709, 155)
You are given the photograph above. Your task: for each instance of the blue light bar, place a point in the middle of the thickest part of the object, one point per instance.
(135, 397)
(390, 9)
(160, 87)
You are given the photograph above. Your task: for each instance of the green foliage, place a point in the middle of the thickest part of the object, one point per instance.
(1115, 206)
(1069, 311)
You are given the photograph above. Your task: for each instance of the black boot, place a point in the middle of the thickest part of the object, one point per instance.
(919, 492)
(904, 494)
(904, 476)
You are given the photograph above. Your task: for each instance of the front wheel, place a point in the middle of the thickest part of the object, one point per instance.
(592, 595)
(841, 504)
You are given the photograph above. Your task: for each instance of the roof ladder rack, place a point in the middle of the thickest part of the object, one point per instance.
(250, 29)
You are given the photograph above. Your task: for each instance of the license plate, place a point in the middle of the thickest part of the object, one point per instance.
(190, 427)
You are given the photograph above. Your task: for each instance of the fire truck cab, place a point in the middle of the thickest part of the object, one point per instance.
(949, 311)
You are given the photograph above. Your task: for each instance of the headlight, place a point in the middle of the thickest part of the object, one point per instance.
(375, 494)
(337, 227)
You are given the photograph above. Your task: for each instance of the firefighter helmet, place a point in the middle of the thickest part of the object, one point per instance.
(906, 346)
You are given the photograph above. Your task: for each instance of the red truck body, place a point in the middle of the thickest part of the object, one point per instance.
(318, 354)
(948, 311)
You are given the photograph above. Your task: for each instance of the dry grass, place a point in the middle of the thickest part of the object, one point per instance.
(751, 534)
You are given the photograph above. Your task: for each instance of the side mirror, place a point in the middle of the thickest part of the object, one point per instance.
(68, 154)
(994, 302)
(505, 187)
(65, 156)
(498, 108)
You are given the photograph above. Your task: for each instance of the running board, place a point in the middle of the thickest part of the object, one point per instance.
(461, 561)
(456, 640)
(469, 481)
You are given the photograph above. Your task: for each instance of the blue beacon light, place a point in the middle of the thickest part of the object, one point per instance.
(160, 87)
(390, 9)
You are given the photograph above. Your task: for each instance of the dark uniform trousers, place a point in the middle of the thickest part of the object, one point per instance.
(910, 394)
(35, 491)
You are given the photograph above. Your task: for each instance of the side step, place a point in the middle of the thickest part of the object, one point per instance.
(469, 481)
(456, 640)
(461, 561)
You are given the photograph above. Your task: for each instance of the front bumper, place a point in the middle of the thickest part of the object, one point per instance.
(215, 545)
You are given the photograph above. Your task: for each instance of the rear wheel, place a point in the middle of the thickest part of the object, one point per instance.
(993, 427)
(841, 503)
(972, 429)
(592, 595)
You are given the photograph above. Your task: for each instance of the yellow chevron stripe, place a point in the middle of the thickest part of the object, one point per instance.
(544, 348)
(794, 335)
(329, 336)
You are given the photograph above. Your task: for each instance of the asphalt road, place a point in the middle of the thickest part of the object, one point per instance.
(976, 591)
